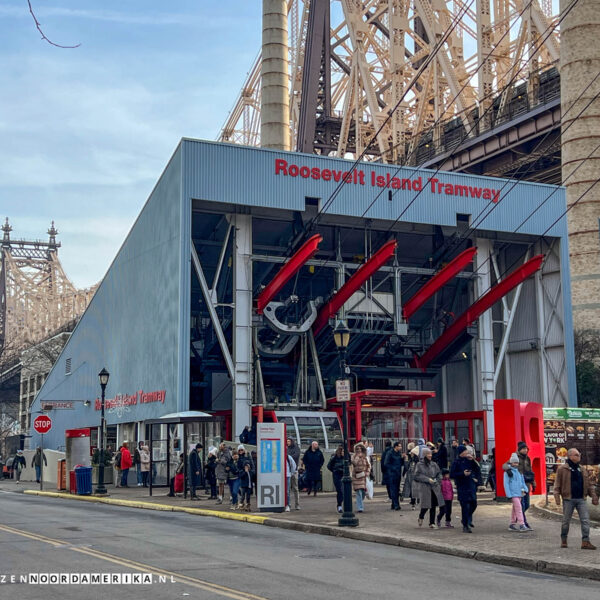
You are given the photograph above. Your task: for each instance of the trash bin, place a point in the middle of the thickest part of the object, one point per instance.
(83, 475)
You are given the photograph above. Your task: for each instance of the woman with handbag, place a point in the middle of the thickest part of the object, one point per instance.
(428, 489)
(361, 469)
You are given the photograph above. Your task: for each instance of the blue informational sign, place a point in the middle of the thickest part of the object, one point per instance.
(270, 456)
(271, 481)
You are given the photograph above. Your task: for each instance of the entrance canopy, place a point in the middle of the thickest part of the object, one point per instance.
(378, 415)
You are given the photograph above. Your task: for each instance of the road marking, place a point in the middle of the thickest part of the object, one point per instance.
(125, 562)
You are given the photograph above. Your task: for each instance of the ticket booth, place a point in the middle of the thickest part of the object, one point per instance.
(379, 415)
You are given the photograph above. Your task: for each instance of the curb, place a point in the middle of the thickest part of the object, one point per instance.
(529, 564)
(153, 506)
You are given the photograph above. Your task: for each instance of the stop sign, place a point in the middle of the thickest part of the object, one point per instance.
(42, 424)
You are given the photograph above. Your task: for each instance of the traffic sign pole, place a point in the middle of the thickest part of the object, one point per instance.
(42, 464)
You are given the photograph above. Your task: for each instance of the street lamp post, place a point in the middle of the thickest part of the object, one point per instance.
(341, 336)
(100, 489)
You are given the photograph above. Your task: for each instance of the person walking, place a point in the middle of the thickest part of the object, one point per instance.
(19, 463)
(144, 455)
(441, 456)
(223, 457)
(394, 466)
(336, 466)
(515, 489)
(492, 475)
(126, 463)
(179, 473)
(313, 460)
(117, 466)
(412, 461)
(294, 451)
(211, 478)
(36, 462)
(361, 469)
(290, 470)
(195, 471)
(572, 486)
(467, 476)
(428, 489)
(384, 475)
(527, 472)
(448, 495)
(454, 450)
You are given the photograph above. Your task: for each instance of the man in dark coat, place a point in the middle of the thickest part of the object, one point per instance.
(394, 466)
(313, 460)
(441, 456)
(467, 476)
(196, 471)
(384, 476)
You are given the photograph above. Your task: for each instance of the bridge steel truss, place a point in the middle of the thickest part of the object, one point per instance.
(353, 62)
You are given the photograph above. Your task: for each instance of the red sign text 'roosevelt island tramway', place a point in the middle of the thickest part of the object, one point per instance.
(359, 177)
(42, 424)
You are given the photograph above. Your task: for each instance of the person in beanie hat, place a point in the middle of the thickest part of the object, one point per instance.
(515, 489)
(467, 476)
(209, 472)
(19, 463)
(196, 472)
(526, 470)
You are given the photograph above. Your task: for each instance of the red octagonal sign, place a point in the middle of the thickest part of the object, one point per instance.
(42, 424)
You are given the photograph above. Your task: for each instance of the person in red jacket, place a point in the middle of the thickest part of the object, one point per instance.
(126, 464)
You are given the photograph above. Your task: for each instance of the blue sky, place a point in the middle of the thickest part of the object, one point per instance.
(86, 132)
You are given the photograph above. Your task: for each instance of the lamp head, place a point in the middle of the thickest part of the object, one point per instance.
(341, 336)
(103, 376)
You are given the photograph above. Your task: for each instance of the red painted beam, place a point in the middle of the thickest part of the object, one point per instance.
(287, 271)
(439, 280)
(478, 308)
(360, 276)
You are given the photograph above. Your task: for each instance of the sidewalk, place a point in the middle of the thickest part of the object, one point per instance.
(491, 541)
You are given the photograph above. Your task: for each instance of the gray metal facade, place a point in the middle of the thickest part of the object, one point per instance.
(138, 324)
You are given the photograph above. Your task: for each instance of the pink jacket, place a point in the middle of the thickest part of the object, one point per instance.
(447, 491)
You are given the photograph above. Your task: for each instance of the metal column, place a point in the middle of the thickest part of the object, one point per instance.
(242, 323)
(485, 343)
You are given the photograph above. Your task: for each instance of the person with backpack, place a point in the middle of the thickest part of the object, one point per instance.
(36, 462)
(19, 463)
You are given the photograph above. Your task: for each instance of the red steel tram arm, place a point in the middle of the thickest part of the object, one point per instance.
(439, 280)
(478, 308)
(360, 276)
(287, 271)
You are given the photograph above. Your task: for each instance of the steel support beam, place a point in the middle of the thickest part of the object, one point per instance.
(242, 322)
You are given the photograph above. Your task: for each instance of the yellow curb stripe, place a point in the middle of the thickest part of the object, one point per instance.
(125, 562)
(204, 512)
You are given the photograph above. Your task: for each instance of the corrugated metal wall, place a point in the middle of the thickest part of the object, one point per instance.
(240, 175)
(131, 327)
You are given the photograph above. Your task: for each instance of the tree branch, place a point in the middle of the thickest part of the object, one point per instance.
(39, 28)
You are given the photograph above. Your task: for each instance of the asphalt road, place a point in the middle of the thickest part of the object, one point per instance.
(210, 558)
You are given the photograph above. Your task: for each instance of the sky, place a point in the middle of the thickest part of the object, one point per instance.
(86, 132)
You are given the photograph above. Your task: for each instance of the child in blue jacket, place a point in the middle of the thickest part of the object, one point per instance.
(515, 488)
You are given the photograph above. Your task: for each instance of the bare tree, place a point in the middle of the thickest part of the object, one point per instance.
(587, 345)
(39, 28)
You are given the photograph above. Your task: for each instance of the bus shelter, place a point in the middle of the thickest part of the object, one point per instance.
(177, 433)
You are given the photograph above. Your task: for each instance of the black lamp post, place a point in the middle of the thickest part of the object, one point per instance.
(341, 336)
(100, 489)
